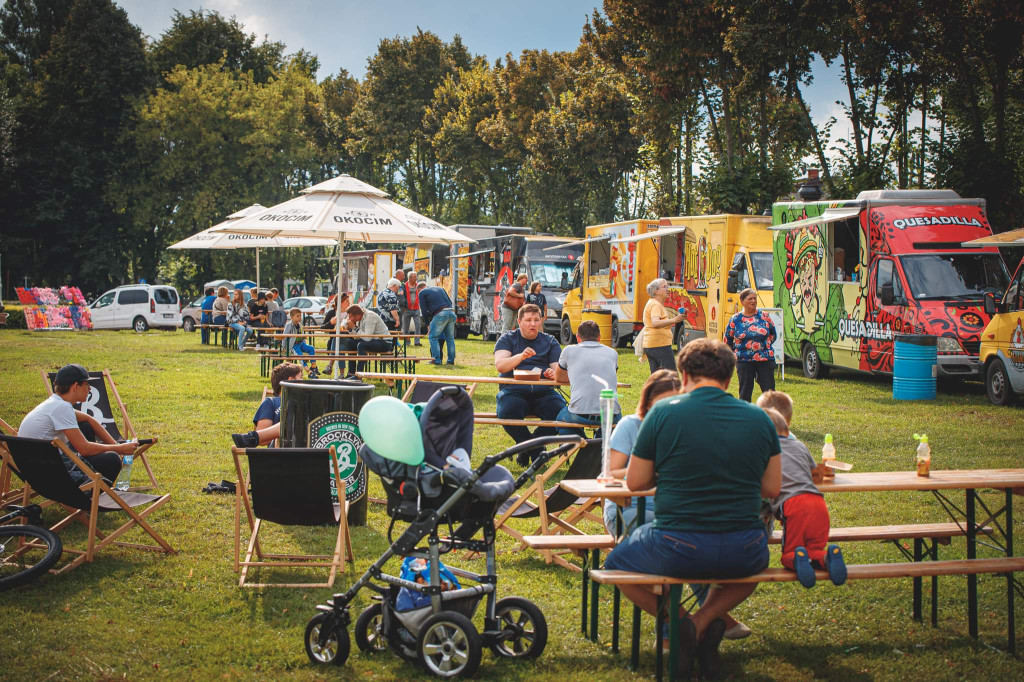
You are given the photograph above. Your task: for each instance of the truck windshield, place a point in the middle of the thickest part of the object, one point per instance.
(761, 261)
(954, 275)
(555, 275)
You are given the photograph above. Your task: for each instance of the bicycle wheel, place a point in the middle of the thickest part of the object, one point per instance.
(26, 552)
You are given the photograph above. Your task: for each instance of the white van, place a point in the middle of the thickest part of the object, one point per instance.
(138, 307)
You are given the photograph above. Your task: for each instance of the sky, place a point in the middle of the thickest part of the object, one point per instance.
(343, 33)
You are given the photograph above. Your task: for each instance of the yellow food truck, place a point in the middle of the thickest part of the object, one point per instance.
(368, 272)
(707, 261)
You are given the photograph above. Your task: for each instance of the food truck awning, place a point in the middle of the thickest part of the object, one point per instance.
(831, 215)
(1011, 238)
(471, 253)
(651, 235)
(574, 242)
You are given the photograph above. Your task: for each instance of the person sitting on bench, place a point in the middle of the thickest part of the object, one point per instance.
(801, 508)
(713, 457)
(269, 411)
(364, 325)
(578, 365)
(298, 346)
(56, 418)
(528, 348)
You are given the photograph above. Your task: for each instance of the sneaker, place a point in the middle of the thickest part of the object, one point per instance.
(246, 440)
(738, 631)
(313, 374)
(450, 364)
(708, 657)
(835, 564)
(803, 568)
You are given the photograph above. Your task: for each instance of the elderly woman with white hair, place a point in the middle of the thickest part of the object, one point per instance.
(658, 326)
(387, 304)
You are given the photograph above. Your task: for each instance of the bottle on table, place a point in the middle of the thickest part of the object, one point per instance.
(123, 479)
(924, 455)
(828, 454)
(607, 421)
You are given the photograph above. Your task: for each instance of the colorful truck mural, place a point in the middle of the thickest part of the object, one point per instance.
(850, 275)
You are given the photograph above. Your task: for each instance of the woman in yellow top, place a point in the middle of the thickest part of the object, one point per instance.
(658, 326)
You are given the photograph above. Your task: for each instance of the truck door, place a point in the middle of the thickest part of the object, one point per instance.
(1009, 334)
(572, 309)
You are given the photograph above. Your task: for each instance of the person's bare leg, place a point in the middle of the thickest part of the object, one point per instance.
(268, 434)
(642, 597)
(720, 601)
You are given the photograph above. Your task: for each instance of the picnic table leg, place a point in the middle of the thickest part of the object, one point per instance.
(1010, 624)
(675, 596)
(617, 593)
(972, 579)
(935, 585)
(634, 646)
(583, 601)
(918, 552)
(594, 555)
(659, 624)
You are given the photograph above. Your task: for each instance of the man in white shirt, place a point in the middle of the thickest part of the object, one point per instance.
(56, 418)
(578, 365)
(369, 335)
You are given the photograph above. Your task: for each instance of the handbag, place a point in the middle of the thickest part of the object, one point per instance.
(513, 303)
(638, 345)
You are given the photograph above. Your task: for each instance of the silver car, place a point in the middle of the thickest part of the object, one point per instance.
(312, 307)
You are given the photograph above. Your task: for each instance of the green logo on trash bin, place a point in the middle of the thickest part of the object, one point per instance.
(341, 430)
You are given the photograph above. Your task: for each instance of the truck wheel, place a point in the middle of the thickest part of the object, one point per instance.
(484, 330)
(615, 332)
(566, 336)
(997, 383)
(680, 337)
(813, 369)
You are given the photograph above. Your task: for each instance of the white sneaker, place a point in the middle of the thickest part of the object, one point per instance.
(738, 631)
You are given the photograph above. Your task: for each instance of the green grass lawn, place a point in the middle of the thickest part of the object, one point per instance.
(139, 615)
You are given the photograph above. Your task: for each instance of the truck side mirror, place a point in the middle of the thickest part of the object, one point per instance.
(990, 304)
(885, 292)
(732, 285)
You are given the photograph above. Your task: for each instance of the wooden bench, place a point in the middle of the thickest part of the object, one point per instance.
(492, 418)
(917, 570)
(589, 547)
(274, 360)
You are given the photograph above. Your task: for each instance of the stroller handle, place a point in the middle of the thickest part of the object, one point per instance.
(532, 444)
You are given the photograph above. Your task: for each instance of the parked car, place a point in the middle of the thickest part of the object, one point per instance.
(312, 307)
(191, 314)
(138, 307)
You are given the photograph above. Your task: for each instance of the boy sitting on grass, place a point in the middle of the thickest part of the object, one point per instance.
(296, 345)
(801, 508)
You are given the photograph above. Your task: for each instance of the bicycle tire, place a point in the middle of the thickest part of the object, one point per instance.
(22, 571)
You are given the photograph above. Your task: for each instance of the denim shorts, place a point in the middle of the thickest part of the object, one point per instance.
(681, 554)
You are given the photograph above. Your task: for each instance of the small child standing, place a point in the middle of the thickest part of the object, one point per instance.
(296, 345)
(801, 507)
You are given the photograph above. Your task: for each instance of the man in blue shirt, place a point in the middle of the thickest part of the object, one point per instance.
(206, 307)
(436, 306)
(528, 348)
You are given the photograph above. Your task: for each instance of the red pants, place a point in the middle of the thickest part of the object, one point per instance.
(805, 524)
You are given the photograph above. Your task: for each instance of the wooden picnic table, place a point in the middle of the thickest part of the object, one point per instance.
(971, 481)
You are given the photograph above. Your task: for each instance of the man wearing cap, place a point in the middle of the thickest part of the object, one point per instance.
(56, 417)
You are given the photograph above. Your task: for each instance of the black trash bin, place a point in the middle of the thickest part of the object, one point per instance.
(318, 413)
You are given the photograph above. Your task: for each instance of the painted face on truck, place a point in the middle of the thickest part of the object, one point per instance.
(803, 271)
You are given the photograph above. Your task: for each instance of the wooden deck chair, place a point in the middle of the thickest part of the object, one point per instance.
(290, 487)
(7, 469)
(550, 504)
(419, 391)
(97, 406)
(43, 470)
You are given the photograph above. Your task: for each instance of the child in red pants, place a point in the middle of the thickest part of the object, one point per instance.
(802, 510)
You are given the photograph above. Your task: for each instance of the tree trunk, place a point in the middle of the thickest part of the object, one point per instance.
(716, 137)
(826, 173)
(854, 105)
(688, 162)
(924, 135)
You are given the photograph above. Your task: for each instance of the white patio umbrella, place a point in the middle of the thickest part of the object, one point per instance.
(344, 208)
(208, 239)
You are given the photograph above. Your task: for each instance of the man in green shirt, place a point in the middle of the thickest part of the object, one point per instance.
(712, 458)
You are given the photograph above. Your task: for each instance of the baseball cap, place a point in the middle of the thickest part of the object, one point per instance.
(71, 374)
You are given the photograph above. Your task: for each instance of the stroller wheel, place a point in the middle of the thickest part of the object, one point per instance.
(369, 632)
(336, 646)
(449, 645)
(525, 624)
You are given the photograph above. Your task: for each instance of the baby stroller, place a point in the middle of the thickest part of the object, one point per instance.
(439, 632)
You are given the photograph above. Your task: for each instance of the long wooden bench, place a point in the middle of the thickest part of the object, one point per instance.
(274, 360)
(492, 418)
(917, 570)
(589, 547)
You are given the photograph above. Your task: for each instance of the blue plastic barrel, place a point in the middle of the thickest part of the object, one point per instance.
(915, 362)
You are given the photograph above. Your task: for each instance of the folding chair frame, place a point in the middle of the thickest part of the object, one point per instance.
(140, 452)
(548, 522)
(470, 387)
(7, 496)
(95, 487)
(336, 561)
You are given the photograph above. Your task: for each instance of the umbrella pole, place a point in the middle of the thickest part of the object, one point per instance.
(257, 269)
(337, 299)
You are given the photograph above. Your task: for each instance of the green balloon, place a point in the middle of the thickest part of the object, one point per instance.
(391, 430)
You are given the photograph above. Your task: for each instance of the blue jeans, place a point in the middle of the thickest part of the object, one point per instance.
(303, 348)
(242, 331)
(566, 416)
(515, 402)
(683, 554)
(442, 325)
(204, 332)
(629, 515)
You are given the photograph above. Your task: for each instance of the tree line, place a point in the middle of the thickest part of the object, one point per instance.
(114, 145)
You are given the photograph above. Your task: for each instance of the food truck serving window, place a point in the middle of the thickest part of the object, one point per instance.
(954, 275)
(843, 249)
(670, 264)
(600, 258)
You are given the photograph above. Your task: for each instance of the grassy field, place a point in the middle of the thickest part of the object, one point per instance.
(136, 615)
